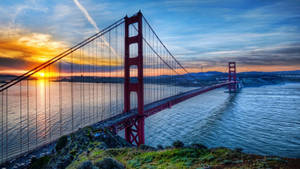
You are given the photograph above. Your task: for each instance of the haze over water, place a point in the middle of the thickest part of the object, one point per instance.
(260, 120)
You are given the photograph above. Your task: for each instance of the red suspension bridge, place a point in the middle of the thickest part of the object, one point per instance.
(113, 79)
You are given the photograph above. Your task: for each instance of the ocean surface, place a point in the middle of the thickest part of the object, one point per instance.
(260, 120)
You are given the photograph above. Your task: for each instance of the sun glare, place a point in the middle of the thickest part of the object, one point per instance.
(40, 75)
(42, 59)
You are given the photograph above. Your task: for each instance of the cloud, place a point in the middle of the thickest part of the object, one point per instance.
(26, 50)
(87, 15)
(273, 56)
(23, 49)
(207, 32)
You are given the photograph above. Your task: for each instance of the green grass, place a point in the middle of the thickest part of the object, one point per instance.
(175, 158)
(136, 158)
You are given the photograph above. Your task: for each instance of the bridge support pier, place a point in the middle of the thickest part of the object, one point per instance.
(232, 77)
(134, 131)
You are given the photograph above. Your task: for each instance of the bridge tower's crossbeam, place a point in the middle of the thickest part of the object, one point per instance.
(134, 133)
(232, 76)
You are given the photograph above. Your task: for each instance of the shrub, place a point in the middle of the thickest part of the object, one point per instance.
(61, 143)
(160, 147)
(39, 163)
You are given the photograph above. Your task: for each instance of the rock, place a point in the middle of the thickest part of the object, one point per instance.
(145, 147)
(61, 143)
(86, 165)
(109, 163)
(160, 147)
(239, 150)
(168, 147)
(33, 156)
(39, 163)
(198, 146)
(178, 144)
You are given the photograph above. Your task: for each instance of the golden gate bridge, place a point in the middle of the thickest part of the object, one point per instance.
(113, 79)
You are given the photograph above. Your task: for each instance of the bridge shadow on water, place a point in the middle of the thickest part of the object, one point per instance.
(216, 115)
(206, 131)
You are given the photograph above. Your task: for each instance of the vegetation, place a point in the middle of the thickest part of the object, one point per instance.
(90, 148)
(183, 157)
(39, 163)
(62, 142)
(178, 144)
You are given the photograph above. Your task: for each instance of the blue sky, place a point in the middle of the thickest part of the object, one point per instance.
(258, 34)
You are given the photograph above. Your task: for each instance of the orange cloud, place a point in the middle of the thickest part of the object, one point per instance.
(22, 51)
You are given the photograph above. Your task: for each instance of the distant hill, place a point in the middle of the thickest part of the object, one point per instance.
(273, 73)
(4, 78)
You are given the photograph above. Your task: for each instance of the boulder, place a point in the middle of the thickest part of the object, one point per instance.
(109, 163)
(86, 165)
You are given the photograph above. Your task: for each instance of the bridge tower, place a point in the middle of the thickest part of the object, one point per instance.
(134, 131)
(232, 76)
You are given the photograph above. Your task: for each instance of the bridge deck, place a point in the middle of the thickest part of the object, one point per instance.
(118, 121)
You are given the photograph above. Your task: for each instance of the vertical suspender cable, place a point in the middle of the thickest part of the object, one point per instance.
(60, 97)
(116, 69)
(6, 123)
(49, 102)
(103, 83)
(27, 115)
(93, 80)
(97, 80)
(72, 94)
(89, 82)
(81, 86)
(36, 113)
(45, 108)
(2, 128)
(20, 134)
(109, 42)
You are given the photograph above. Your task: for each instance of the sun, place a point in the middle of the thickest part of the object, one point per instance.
(41, 74)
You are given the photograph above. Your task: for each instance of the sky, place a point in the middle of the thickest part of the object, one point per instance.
(260, 35)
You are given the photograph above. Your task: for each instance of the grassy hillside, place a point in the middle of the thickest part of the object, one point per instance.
(92, 149)
(184, 157)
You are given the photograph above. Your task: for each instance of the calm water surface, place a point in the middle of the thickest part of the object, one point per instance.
(261, 120)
